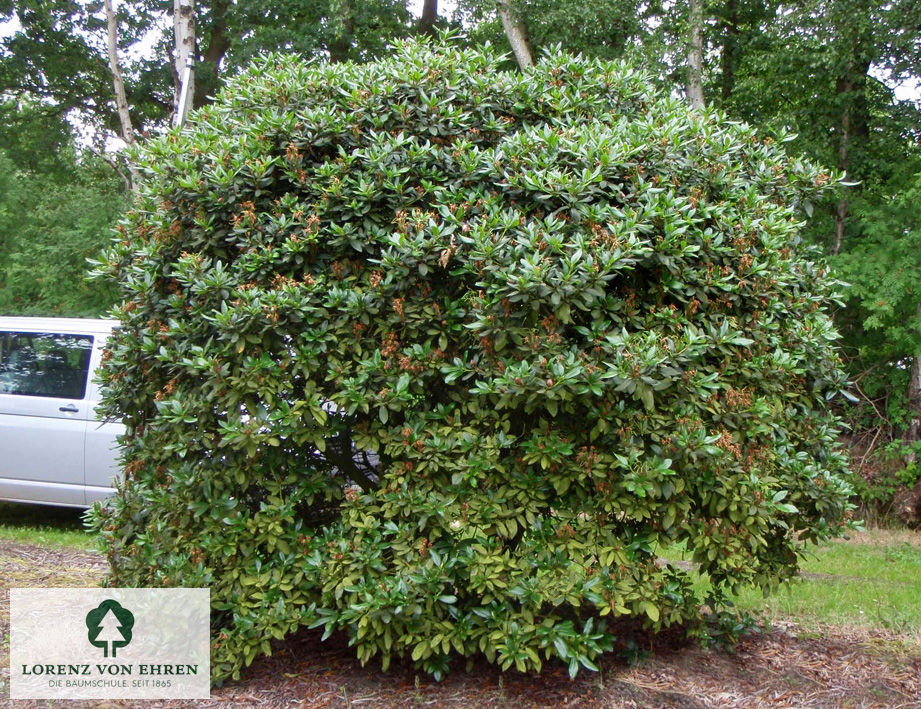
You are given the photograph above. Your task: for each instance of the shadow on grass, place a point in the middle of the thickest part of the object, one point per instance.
(21, 514)
(43, 524)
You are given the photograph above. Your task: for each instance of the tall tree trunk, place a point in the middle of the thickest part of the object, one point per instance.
(728, 55)
(908, 504)
(340, 46)
(914, 402)
(844, 89)
(914, 393)
(121, 101)
(184, 33)
(429, 17)
(853, 122)
(515, 31)
(211, 57)
(695, 88)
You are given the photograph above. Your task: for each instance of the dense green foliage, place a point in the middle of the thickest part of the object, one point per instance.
(606, 29)
(43, 271)
(883, 322)
(441, 356)
(883, 325)
(57, 208)
(825, 71)
(816, 68)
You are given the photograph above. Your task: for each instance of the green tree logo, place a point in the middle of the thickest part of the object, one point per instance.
(109, 626)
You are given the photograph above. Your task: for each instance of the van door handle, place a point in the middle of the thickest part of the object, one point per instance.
(69, 409)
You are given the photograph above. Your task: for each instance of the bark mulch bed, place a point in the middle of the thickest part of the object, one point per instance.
(784, 667)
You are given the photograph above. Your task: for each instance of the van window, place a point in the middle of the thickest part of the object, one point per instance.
(44, 364)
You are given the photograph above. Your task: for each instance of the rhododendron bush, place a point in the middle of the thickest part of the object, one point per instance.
(448, 358)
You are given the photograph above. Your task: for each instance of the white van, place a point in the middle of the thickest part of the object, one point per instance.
(53, 448)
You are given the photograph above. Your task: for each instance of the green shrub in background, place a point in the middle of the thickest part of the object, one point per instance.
(57, 227)
(883, 482)
(441, 356)
(58, 205)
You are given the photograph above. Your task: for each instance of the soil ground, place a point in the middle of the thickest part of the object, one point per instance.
(784, 666)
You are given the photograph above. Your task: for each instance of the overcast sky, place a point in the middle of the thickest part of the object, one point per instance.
(445, 7)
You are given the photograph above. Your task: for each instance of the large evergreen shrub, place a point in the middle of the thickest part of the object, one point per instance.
(445, 357)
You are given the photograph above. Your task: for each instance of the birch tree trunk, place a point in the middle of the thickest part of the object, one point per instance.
(515, 31)
(184, 33)
(695, 88)
(121, 101)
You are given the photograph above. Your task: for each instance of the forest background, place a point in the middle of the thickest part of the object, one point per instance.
(80, 79)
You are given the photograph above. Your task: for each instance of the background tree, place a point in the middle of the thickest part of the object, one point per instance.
(60, 54)
(883, 325)
(695, 69)
(118, 82)
(186, 50)
(428, 17)
(606, 29)
(516, 32)
(59, 57)
(57, 208)
(815, 68)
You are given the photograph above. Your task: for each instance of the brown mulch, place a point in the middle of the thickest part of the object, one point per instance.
(780, 668)
(53, 560)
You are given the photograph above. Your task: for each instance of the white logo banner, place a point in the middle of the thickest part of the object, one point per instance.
(109, 643)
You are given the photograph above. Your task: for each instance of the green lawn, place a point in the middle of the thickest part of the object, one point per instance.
(47, 526)
(872, 580)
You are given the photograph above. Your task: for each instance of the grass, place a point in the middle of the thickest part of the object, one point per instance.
(869, 581)
(44, 525)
